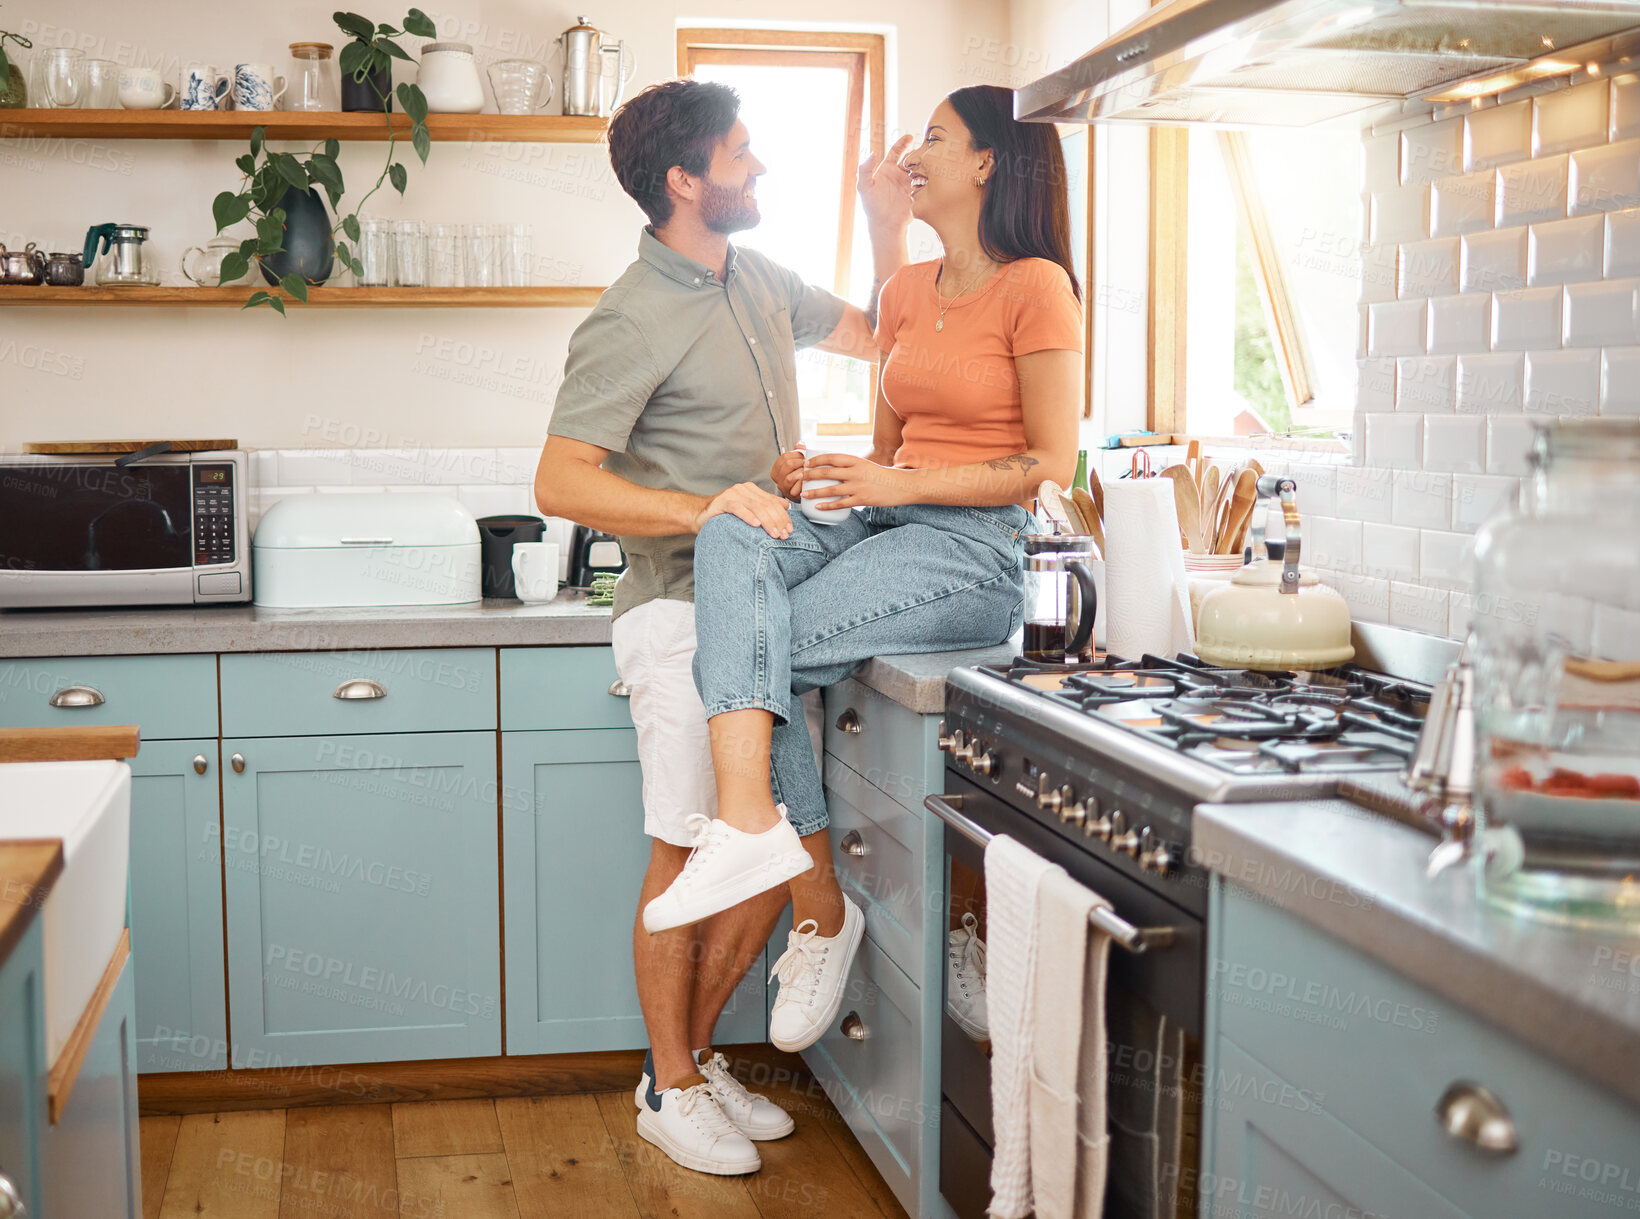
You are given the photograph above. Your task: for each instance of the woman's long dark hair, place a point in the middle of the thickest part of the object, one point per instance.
(1026, 213)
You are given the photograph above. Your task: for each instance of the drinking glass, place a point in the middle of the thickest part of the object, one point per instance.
(65, 76)
(410, 248)
(446, 253)
(515, 243)
(102, 85)
(376, 242)
(483, 247)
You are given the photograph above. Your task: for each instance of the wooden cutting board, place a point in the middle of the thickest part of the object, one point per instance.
(68, 447)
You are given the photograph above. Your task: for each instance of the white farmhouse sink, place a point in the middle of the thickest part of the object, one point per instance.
(88, 806)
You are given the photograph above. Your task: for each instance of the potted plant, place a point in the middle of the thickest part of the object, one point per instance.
(366, 62)
(13, 85)
(295, 241)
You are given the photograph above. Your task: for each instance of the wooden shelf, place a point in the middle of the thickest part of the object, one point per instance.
(318, 298)
(293, 125)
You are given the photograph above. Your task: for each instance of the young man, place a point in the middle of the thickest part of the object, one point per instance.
(679, 394)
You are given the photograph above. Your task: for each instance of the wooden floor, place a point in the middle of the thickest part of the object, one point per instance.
(563, 1157)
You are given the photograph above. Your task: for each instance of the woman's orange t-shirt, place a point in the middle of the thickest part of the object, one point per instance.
(956, 390)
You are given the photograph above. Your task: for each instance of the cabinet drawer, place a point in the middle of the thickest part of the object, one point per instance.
(889, 746)
(545, 688)
(876, 849)
(302, 693)
(875, 1078)
(1313, 1010)
(165, 696)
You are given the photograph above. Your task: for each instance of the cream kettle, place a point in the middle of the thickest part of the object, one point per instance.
(1272, 614)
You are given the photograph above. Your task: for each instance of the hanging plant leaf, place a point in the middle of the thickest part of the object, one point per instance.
(256, 298)
(350, 226)
(421, 141)
(324, 170)
(248, 247)
(392, 48)
(294, 285)
(398, 175)
(333, 148)
(246, 163)
(353, 24)
(420, 24)
(290, 169)
(234, 267)
(352, 59)
(277, 304)
(229, 208)
(257, 136)
(413, 100)
(270, 235)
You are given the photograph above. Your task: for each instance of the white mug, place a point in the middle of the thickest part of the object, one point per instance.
(535, 571)
(811, 509)
(144, 89)
(255, 87)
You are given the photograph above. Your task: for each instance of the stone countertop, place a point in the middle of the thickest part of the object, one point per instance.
(917, 682)
(1573, 996)
(28, 868)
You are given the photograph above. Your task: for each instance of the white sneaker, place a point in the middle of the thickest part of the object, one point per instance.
(753, 1114)
(965, 979)
(727, 867)
(812, 972)
(686, 1123)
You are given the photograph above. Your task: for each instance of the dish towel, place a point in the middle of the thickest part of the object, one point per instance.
(1069, 1139)
(1013, 875)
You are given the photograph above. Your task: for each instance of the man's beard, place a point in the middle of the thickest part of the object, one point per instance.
(727, 211)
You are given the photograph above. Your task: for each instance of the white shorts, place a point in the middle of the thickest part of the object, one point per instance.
(654, 647)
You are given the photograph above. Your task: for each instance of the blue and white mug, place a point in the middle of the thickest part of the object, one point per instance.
(255, 87)
(202, 87)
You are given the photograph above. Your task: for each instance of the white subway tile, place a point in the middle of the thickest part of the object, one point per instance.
(1331, 542)
(264, 468)
(1317, 486)
(516, 465)
(1530, 191)
(1477, 498)
(1378, 265)
(313, 467)
(1417, 608)
(1460, 615)
(1622, 243)
(1389, 551)
(1425, 383)
(1620, 381)
(1490, 384)
(1606, 179)
(1432, 151)
(1375, 384)
(1362, 331)
(1497, 135)
(1446, 560)
(1368, 596)
(1421, 500)
(1565, 251)
(489, 499)
(1401, 214)
(1428, 268)
(1527, 318)
(1363, 492)
(1493, 261)
(1396, 328)
(1455, 444)
(1462, 204)
(1571, 118)
(1380, 162)
(389, 467)
(450, 467)
(1460, 323)
(1395, 441)
(1508, 438)
(1563, 382)
(1625, 106)
(1600, 315)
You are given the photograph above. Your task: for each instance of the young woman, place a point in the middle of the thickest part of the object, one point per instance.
(980, 398)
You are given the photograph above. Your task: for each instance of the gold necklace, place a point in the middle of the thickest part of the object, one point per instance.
(943, 304)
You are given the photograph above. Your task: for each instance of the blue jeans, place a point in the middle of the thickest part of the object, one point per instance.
(775, 617)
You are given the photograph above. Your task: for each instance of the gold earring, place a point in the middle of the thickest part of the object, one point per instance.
(979, 182)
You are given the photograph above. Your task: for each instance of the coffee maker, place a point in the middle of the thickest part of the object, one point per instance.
(592, 552)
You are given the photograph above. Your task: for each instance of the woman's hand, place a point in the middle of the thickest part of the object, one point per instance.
(860, 483)
(788, 472)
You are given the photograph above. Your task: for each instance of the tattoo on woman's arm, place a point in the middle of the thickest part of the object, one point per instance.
(871, 309)
(1018, 461)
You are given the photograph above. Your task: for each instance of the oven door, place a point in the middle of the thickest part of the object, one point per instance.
(1153, 1013)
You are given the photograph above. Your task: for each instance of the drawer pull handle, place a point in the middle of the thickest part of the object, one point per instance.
(855, 845)
(854, 1028)
(1474, 1114)
(360, 687)
(619, 689)
(78, 696)
(849, 722)
(11, 1203)
(200, 764)
(238, 763)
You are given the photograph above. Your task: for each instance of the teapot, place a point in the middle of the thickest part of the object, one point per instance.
(25, 266)
(128, 261)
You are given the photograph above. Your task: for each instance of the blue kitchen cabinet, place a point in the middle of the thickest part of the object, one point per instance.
(176, 907)
(23, 1066)
(362, 897)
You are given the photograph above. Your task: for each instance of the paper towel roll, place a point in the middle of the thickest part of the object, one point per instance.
(1146, 589)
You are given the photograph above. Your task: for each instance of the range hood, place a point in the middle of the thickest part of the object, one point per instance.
(1294, 63)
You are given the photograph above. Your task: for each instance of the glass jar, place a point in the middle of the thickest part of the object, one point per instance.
(1555, 643)
(314, 84)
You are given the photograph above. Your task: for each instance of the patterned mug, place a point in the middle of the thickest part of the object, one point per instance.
(202, 87)
(255, 87)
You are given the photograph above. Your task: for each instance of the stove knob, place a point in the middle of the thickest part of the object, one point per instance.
(1054, 799)
(1122, 838)
(1154, 854)
(948, 743)
(1095, 824)
(1073, 812)
(984, 764)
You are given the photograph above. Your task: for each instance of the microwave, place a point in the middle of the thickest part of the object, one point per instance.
(172, 529)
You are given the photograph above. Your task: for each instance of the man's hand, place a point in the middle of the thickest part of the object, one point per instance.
(752, 504)
(860, 483)
(885, 188)
(788, 472)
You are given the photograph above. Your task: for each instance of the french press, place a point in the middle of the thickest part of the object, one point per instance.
(584, 49)
(1060, 599)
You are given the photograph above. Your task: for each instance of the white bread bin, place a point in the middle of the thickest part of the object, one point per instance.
(365, 548)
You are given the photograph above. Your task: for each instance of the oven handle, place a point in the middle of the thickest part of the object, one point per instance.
(1135, 939)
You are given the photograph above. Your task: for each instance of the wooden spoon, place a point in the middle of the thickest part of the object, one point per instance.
(1241, 511)
(1188, 501)
(1073, 510)
(1208, 510)
(1219, 513)
(1049, 497)
(1090, 516)
(1097, 490)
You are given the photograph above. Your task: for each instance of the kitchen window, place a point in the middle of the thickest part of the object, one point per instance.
(812, 101)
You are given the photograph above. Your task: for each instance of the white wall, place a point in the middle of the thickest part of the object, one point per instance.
(360, 378)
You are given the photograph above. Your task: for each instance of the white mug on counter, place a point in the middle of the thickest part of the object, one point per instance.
(144, 89)
(535, 571)
(256, 87)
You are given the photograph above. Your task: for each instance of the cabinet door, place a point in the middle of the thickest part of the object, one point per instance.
(572, 832)
(23, 1066)
(176, 908)
(362, 905)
